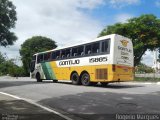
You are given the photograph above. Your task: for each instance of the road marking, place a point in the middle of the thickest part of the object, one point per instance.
(127, 98)
(36, 104)
(13, 96)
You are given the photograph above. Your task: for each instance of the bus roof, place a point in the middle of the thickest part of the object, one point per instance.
(94, 40)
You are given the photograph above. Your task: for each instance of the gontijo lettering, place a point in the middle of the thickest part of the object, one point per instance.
(69, 62)
(124, 49)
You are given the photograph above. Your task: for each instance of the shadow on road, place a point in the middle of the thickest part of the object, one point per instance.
(110, 85)
(104, 105)
(13, 83)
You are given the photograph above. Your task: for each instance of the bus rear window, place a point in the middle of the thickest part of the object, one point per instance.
(95, 47)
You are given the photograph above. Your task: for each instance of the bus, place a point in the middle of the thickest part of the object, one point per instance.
(105, 59)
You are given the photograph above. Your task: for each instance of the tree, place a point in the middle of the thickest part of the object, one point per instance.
(144, 32)
(32, 46)
(142, 68)
(2, 59)
(7, 21)
(9, 67)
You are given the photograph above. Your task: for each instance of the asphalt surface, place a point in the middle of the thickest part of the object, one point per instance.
(116, 101)
(16, 109)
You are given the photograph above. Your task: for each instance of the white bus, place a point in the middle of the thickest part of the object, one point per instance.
(105, 59)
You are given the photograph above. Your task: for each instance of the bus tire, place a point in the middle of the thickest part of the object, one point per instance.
(75, 78)
(38, 78)
(85, 79)
(104, 84)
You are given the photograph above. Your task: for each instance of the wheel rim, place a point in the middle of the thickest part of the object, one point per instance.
(74, 78)
(85, 79)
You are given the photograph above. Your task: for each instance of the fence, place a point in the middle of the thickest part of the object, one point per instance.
(148, 75)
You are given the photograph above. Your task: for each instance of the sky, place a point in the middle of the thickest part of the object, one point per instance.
(71, 21)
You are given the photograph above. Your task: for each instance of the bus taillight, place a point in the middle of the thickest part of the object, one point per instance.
(113, 68)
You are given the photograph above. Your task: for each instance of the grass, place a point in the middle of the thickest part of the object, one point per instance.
(146, 79)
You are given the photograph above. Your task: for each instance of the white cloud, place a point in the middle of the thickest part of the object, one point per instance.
(123, 3)
(147, 58)
(61, 20)
(123, 17)
(90, 4)
(157, 3)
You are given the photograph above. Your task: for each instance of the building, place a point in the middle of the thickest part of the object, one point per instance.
(156, 63)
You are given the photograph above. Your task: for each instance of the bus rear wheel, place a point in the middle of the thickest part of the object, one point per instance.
(38, 77)
(75, 79)
(85, 79)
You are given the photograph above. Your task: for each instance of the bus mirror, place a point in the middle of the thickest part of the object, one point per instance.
(32, 66)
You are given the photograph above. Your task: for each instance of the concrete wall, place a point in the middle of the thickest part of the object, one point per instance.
(152, 75)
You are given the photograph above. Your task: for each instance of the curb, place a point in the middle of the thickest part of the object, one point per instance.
(149, 83)
(146, 83)
(158, 83)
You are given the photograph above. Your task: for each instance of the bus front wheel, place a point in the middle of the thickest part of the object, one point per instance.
(85, 79)
(38, 77)
(75, 79)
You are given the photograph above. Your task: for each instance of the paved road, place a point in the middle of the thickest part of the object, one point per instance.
(94, 102)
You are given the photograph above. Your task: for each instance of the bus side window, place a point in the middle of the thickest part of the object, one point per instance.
(58, 54)
(74, 52)
(88, 49)
(47, 56)
(63, 54)
(68, 52)
(53, 55)
(95, 47)
(105, 46)
(80, 51)
(41, 57)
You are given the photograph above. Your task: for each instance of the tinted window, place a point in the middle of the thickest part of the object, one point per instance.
(95, 47)
(57, 53)
(74, 52)
(80, 51)
(47, 56)
(106, 46)
(68, 52)
(63, 54)
(53, 55)
(88, 49)
(40, 58)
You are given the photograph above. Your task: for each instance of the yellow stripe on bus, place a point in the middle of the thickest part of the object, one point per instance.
(98, 73)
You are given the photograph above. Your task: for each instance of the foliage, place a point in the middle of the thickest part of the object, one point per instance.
(8, 67)
(32, 46)
(144, 32)
(146, 79)
(2, 59)
(142, 68)
(7, 22)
